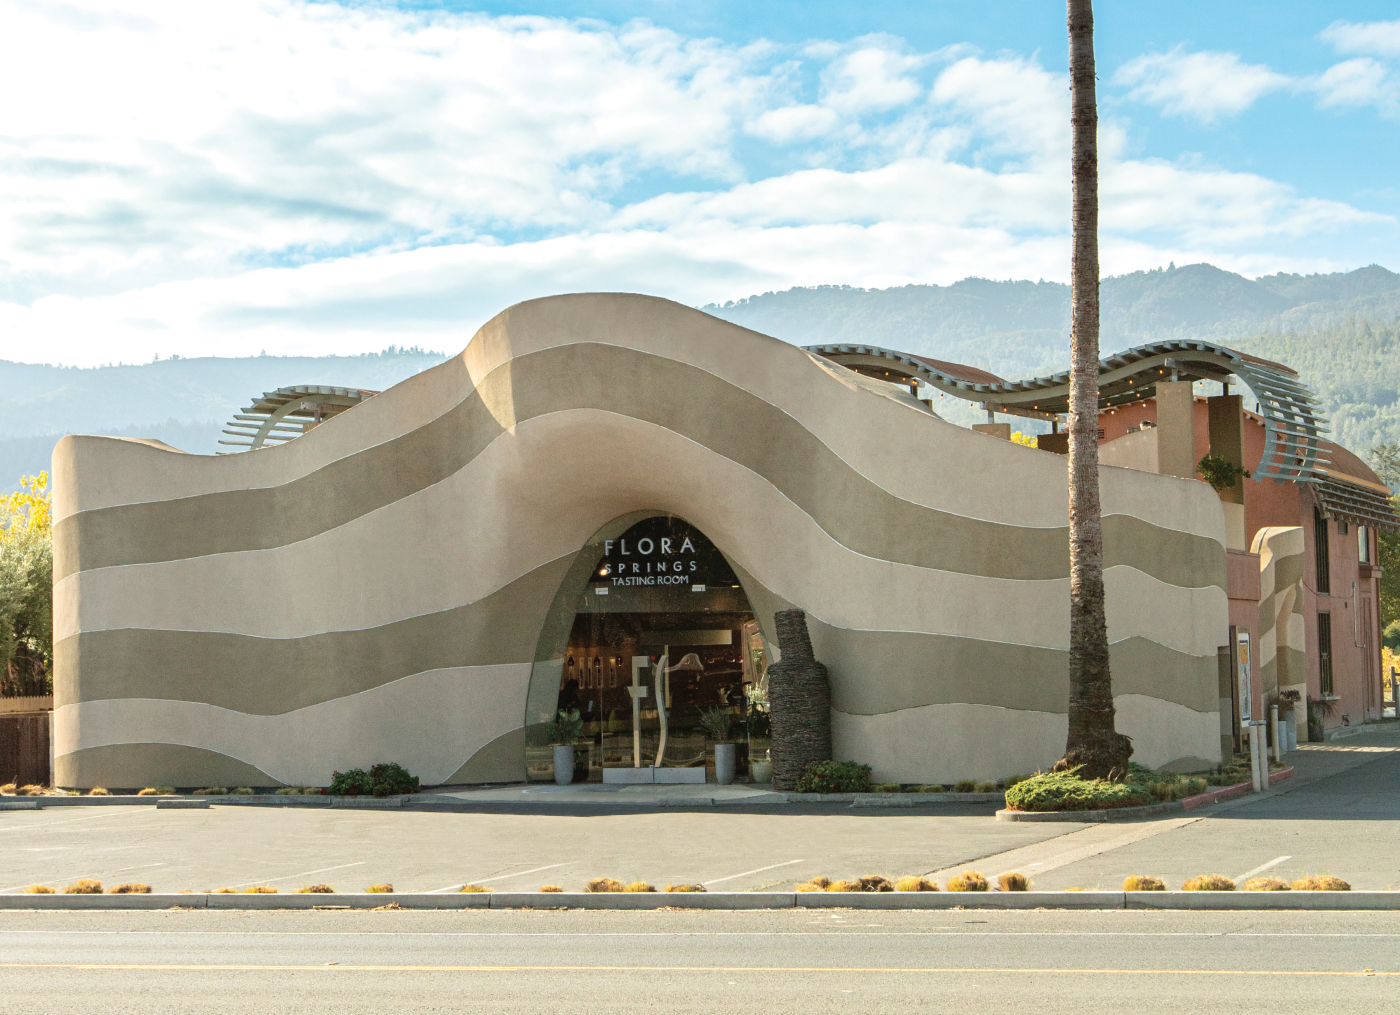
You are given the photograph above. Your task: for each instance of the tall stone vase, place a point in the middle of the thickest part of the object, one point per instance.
(799, 695)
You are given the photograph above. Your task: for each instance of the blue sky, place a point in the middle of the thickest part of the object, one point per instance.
(337, 177)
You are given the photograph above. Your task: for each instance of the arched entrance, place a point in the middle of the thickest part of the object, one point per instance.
(659, 609)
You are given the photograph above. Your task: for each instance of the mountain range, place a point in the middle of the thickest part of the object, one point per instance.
(1341, 331)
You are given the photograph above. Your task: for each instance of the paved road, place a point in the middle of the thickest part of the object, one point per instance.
(683, 962)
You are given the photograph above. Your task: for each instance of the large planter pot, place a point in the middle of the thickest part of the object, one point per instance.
(563, 765)
(1316, 735)
(724, 764)
(761, 770)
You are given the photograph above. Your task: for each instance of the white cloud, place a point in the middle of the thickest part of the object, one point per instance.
(1379, 38)
(308, 177)
(1358, 82)
(1205, 85)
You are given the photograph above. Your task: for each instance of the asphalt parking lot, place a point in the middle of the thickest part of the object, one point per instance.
(1340, 815)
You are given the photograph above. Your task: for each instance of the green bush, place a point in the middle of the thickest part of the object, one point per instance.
(716, 722)
(1066, 791)
(385, 779)
(564, 731)
(834, 777)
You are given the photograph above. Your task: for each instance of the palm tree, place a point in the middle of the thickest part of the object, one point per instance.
(1094, 745)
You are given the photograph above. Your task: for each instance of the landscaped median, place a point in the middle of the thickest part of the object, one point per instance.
(1063, 796)
(1297, 900)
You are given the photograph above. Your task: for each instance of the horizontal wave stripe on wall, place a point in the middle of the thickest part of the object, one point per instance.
(246, 606)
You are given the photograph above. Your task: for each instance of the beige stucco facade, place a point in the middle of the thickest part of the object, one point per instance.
(389, 587)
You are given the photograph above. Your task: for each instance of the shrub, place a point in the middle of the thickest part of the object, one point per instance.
(98, 791)
(885, 787)
(157, 791)
(565, 729)
(85, 886)
(130, 888)
(875, 883)
(1320, 883)
(379, 889)
(290, 791)
(1143, 883)
(1266, 885)
(551, 888)
(844, 886)
(639, 886)
(242, 791)
(260, 890)
(384, 779)
(967, 881)
(211, 791)
(915, 884)
(716, 722)
(38, 890)
(605, 885)
(816, 884)
(834, 777)
(1066, 791)
(315, 890)
(1012, 780)
(1209, 883)
(686, 888)
(475, 889)
(1014, 881)
(986, 787)
(965, 786)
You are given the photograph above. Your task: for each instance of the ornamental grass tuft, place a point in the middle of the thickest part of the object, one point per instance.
(212, 791)
(875, 883)
(225, 891)
(1143, 883)
(380, 889)
(98, 791)
(157, 791)
(1066, 791)
(1209, 883)
(315, 890)
(687, 888)
(987, 787)
(1014, 881)
(478, 889)
(34, 789)
(85, 886)
(8, 789)
(550, 888)
(965, 786)
(639, 886)
(915, 884)
(130, 888)
(967, 881)
(1320, 883)
(605, 885)
(260, 890)
(844, 886)
(1266, 885)
(816, 884)
(38, 890)
(242, 791)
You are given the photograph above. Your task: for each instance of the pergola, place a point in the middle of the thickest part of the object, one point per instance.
(1293, 444)
(287, 413)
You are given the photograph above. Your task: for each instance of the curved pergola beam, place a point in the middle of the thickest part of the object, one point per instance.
(1293, 425)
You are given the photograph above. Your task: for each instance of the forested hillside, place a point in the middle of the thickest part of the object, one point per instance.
(1339, 331)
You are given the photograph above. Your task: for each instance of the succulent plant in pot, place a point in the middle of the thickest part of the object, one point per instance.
(563, 734)
(717, 722)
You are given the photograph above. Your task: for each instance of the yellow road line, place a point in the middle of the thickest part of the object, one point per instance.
(235, 967)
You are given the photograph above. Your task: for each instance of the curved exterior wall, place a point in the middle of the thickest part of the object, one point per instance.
(391, 586)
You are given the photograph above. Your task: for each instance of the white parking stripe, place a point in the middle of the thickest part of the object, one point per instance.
(498, 877)
(288, 877)
(757, 870)
(1261, 869)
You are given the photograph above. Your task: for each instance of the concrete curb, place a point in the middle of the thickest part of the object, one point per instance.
(1196, 901)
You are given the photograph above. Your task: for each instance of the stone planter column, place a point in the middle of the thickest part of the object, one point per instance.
(724, 764)
(563, 764)
(799, 695)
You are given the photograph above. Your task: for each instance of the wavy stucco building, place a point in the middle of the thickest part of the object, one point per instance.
(402, 582)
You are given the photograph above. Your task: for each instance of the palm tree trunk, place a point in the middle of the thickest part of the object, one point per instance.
(1093, 745)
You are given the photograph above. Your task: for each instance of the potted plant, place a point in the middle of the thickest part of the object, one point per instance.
(564, 733)
(1318, 710)
(716, 722)
(760, 728)
(761, 769)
